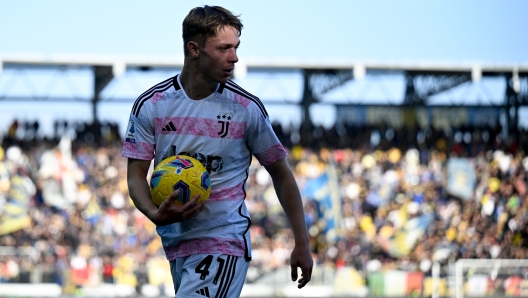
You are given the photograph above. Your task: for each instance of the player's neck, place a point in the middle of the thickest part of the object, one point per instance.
(195, 85)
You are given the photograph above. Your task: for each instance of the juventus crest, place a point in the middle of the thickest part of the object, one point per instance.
(224, 123)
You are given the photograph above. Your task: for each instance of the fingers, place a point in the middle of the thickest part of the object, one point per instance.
(306, 276)
(192, 208)
(173, 196)
(293, 272)
(194, 200)
(170, 212)
(173, 212)
(192, 203)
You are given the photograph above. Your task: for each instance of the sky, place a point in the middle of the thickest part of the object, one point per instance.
(390, 31)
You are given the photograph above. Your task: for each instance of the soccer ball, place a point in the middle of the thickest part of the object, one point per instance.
(179, 172)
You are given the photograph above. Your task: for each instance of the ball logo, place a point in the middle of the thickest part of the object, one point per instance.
(180, 164)
(212, 163)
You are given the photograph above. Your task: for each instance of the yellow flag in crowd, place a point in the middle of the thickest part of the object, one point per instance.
(15, 215)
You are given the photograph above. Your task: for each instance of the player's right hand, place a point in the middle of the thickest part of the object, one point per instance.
(169, 213)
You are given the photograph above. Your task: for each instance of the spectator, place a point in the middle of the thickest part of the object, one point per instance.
(82, 228)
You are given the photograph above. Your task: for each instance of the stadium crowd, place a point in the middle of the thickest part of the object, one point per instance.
(66, 218)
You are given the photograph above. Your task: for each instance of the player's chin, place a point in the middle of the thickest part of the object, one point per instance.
(223, 79)
(226, 74)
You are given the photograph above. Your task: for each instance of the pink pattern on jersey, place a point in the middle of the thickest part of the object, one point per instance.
(227, 193)
(157, 96)
(242, 100)
(138, 150)
(271, 155)
(227, 246)
(201, 127)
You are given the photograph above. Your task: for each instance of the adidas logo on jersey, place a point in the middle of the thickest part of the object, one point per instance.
(204, 292)
(169, 127)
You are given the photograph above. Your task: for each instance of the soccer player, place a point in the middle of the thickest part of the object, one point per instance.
(202, 113)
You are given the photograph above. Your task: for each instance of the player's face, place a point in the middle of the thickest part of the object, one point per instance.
(218, 56)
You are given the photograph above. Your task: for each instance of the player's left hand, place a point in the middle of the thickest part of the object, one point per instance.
(301, 257)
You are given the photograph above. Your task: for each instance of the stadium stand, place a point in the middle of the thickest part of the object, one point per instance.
(377, 200)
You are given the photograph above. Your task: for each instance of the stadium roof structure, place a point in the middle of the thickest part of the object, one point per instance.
(271, 63)
(423, 79)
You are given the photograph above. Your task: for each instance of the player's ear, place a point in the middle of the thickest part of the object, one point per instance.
(194, 49)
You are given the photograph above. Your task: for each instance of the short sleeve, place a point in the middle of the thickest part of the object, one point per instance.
(139, 141)
(261, 138)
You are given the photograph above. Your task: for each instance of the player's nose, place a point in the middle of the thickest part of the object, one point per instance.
(233, 58)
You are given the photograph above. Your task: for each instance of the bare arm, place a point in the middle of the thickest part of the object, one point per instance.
(290, 199)
(139, 191)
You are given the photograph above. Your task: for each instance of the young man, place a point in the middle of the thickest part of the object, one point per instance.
(203, 114)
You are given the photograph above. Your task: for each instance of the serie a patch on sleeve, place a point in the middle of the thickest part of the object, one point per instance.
(131, 132)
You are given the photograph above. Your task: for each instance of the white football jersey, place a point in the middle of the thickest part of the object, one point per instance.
(223, 131)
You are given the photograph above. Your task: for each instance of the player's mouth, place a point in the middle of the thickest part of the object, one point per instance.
(228, 72)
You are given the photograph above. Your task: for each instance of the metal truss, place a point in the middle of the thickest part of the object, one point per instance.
(102, 76)
(60, 84)
(316, 80)
(33, 89)
(322, 81)
(421, 86)
(516, 96)
(316, 83)
(523, 90)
